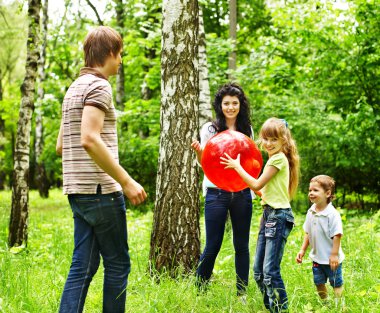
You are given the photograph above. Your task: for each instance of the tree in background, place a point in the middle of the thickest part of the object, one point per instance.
(232, 35)
(314, 63)
(205, 108)
(43, 184)
(120, 77)
(12, 37)
(18, 223)
(175, 235)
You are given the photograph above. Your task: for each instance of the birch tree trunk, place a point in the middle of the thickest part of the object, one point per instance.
(233, 22)
(120, 77)
(18, 224)
(175, 235)
(42, 181)
(205, 108)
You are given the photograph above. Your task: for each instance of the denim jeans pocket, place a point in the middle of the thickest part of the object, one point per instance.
(290, 217)
(118, 200)
(211, 197)
(287, 229)
(270, 229)
(86, 207)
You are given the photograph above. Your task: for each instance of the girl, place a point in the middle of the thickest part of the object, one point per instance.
(232, 112)
(323, 230)
(278, 184)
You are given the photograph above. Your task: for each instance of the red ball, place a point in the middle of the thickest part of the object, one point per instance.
(232, 143)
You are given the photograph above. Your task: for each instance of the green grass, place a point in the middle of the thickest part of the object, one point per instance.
(32, 281)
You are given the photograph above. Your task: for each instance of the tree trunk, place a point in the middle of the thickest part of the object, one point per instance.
(120, 77)
(205, 110)
(175, 235)
(232, 56)
(18, 224)
(42, 180)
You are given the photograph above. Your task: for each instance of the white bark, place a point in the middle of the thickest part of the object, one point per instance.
(175, 235)
(205, 106)
(42, 182)
(120, 77)
(18, 224)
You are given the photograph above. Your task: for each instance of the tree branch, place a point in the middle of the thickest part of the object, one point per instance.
(96, 12)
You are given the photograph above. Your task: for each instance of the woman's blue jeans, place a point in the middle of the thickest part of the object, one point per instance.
(99, 230)
(218, 203)
(275, 226)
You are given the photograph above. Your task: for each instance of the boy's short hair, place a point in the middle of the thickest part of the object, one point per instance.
(100, 43)
(327, 183)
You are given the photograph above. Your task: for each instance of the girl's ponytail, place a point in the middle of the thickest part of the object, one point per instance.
(290, 150)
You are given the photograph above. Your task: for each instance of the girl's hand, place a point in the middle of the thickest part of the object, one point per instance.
(230, 162)
(300, 256)
(196, 146)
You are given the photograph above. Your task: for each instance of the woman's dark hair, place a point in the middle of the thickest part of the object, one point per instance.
(243, 123)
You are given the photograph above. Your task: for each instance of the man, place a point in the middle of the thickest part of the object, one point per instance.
(93, 179)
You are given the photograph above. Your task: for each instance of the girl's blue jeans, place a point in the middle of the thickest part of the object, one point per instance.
(99, 230)
(218, 203)
(275, 226)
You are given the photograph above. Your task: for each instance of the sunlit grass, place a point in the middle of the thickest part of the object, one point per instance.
(32, 281)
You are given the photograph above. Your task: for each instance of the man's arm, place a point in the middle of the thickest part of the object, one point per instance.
(92, 125)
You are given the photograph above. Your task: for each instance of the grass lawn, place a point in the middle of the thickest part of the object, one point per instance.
(32, 281)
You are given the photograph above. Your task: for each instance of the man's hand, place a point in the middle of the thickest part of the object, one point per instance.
(134, 192)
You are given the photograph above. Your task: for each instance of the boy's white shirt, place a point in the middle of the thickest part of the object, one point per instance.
(322, 227)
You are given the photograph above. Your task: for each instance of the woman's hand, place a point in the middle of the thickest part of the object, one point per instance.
(230, 162)
(196, 146)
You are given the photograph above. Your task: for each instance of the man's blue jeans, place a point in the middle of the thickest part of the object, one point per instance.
(99, 229)
(218, 203)
(275, 226)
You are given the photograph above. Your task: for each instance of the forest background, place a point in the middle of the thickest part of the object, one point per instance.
(314, 63)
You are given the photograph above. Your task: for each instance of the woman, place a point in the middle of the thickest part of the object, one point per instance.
(232, 112)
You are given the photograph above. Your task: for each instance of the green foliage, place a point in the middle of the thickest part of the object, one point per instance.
(302, 69)
(314, 63)
(139, 157)
(32, 281)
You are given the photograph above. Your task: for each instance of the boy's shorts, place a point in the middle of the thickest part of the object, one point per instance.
(323, 271)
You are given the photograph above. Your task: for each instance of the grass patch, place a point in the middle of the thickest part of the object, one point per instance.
(33, 280)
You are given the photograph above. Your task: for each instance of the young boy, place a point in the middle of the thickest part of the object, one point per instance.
(93, 179)
(323, 228)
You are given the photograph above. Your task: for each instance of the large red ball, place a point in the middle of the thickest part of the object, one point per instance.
(233, 143)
